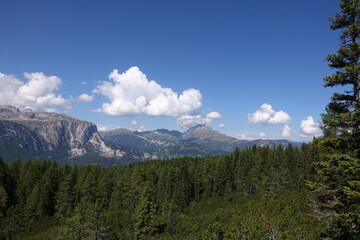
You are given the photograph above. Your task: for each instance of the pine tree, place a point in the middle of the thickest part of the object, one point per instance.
(96, 219)
(14, 221)
(342, 120)
(41, 202)
(145, 216)
(66, 196)
(337, 187)
(76, 227)
(183, 189)
(14, 169)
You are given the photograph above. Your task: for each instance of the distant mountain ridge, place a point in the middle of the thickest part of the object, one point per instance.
(200, 140)
(42, 135)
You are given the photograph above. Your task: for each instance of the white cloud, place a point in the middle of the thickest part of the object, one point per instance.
(286, 132)
(85, 98)
(262, 134)
(131, 93)
(305, 136)
(136, 126)
(36, 93)
(266, 115)
(83, 83)
(309, 127)
(50, 110)
(243, 136)
(221, 125)
(140, 128)
(187, 121)
(102, 128)
(213, 115)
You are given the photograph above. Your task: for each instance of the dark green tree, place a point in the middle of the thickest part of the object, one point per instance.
(14, 221)
(343, 111)
(66, 196)
(337, 187)
(183, 188)
(96, 221)
(145, 216)
(14, 169)
(76, 227)
(41, 202)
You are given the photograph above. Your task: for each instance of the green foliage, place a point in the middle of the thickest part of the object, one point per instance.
(241, 196)
(337, 159)
(145, 214)
(66, 196)
(213, 232)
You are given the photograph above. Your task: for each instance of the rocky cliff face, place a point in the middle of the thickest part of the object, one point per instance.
(51, 134)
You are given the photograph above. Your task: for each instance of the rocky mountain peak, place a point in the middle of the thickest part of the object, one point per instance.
(200, 131)
(201, 127)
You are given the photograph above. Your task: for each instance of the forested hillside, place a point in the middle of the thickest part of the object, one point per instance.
(256, 193)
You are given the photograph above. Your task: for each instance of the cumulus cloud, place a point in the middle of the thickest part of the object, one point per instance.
(36, 93)
(137, 126)
(286, 132)
(51, 110)
(221, 125)
(262, 134)
(131, 93)
(187, 121)
(266, 115)
(102, 128)
(133, 123)
(243, 136)
(309, 127)
(213, 115)
(85, 98)
(140, 128)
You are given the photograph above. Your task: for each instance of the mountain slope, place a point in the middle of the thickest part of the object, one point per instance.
(201, 140)
(125, 137)
(161, 138)
(206, 136)
(43, 135)
(204, 131)
(187, 150)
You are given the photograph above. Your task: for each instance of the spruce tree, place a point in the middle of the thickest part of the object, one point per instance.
(343, 112)
(66, 195)
(337, 187)
(145, 215)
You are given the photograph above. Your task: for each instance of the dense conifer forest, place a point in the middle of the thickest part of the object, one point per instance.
(256, 193)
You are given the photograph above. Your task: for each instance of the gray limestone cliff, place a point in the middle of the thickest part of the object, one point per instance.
(50, 135)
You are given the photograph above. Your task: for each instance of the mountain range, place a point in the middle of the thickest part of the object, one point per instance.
(52, 136)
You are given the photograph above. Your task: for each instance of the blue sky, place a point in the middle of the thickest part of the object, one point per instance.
(250, 68)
